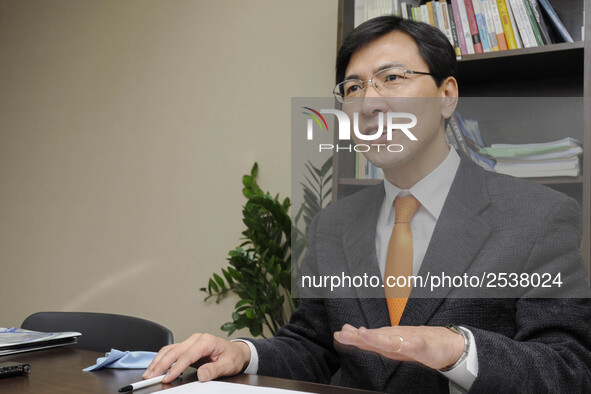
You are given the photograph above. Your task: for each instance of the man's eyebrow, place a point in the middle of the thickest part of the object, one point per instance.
(377, 70)
(389, 65)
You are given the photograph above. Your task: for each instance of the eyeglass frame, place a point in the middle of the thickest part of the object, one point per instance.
(341, 98)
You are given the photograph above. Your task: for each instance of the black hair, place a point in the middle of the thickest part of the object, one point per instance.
(434, 47)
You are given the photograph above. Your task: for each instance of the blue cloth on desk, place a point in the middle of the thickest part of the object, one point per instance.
(127, 360)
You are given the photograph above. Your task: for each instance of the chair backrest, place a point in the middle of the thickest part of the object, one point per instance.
(103, 331)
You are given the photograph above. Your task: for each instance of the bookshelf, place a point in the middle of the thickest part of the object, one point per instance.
(561, 70)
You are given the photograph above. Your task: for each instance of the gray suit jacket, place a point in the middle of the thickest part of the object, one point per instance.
(488, 221)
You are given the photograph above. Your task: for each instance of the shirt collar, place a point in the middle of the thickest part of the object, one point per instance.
(432, 190)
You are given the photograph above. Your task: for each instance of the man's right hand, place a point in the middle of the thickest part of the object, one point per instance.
(221, 358)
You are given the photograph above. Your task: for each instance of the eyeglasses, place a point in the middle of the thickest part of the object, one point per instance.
(386, 81)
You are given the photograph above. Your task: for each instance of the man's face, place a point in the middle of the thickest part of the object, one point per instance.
(418, 95)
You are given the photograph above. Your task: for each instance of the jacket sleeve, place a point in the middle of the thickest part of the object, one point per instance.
(303, 348)
(551, 348)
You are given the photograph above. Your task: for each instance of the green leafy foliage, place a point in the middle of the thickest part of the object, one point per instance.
(259, 270)
(317, 195)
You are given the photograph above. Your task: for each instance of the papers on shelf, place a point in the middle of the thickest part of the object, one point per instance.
(545, 168)
(17, 340)
(214, 387)
(549, 159)
(561, 148)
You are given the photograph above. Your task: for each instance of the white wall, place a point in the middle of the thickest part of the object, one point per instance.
(125, 129)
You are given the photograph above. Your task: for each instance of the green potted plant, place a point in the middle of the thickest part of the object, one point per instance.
(259, 270)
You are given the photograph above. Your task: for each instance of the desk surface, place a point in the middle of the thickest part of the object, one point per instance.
(59, 370)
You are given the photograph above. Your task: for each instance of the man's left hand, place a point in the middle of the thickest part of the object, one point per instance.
(435, 347)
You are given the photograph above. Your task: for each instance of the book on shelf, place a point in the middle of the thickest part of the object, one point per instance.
(477, 26)
(458, 39)
(523, 23)
(533, 22)
(555, 20)
(473, 25)
(365, 169)
(490, 26)
(464, 135)
(487, 46)
(516, 34)
(460, 10)
(498, 23)
(18, 340)
(537, 13)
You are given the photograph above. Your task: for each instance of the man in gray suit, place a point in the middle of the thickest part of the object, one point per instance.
(468, 221)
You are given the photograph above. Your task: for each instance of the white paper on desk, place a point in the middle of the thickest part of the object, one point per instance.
(213, 387)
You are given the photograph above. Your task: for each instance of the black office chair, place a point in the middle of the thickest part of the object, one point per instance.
(103, 331)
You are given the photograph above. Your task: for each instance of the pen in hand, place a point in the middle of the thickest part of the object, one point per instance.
(143, 383)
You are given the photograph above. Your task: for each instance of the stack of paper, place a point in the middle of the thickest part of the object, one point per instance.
(549, 159)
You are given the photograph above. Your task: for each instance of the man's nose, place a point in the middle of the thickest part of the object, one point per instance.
(373, 102)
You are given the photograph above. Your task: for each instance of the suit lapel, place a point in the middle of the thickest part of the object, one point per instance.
(459, 234)
(360, 252)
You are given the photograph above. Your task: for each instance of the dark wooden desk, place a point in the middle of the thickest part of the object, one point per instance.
(59, 370)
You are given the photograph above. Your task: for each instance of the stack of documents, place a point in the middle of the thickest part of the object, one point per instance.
(17, 340)
(549, 159)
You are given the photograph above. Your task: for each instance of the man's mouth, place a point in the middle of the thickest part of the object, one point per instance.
(372, 130)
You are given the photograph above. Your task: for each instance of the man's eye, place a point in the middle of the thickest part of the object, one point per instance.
(392, 78)
(353, 89)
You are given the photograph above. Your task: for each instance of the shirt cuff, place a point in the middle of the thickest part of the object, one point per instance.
(466, 372)
(253, 365)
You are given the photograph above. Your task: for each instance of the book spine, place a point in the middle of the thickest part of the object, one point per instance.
(372, 9)
(492, 34)
(454, 30)
(432, 15)
(482, 27)
(535, 8)
(396, 7)
(447, 26)
(507, 27)
(455, 127)
(529, 29)
(521, 23)
(438, 13)
(361, 172)
(449, 137)
(556, 21)
(515, 29)
(473, 26)
(466, 26)
(403, 11)
(501, 39)
(424, 11)
(386, 8)
(360, 12)
(534, 25)
(456, 21)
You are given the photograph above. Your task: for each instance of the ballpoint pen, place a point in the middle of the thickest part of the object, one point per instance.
(143, 383)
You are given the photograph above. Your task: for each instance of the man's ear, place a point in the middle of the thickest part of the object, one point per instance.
(449, 94)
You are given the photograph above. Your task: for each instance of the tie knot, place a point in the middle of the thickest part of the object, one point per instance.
(405, 207)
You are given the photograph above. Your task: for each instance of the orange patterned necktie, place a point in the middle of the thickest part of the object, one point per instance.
(399, 256)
